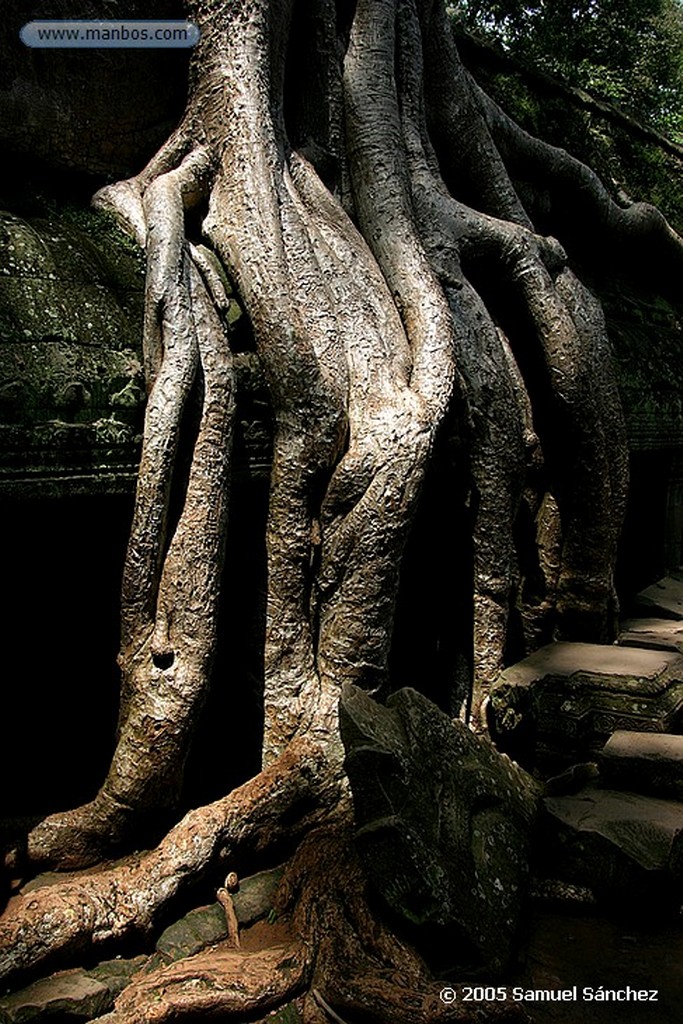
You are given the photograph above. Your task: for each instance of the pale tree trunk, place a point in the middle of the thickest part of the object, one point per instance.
(356, 194)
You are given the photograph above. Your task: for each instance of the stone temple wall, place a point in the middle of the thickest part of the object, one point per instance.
(72, 389)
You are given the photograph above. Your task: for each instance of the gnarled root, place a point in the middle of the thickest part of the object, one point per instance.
(350, 965)
(170, 590)
(367, 328)
(366, 332)
(60, 923)
(221, 983)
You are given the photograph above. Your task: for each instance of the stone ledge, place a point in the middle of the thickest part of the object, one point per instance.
(649, 763)
(627, 848)
(657, 634)
(559, 705)
(664, 598)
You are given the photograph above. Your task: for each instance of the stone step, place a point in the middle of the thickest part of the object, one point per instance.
(648, 763)
(658, 634)
(626, 847)
(664, 598)
(559, 705)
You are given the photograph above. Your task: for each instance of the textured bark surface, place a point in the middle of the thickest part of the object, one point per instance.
(345, 963)
(339, 165)
(361, 969)
(56, 924)
(220, 982)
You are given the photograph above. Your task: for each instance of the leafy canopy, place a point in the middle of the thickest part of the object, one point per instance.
(628, 51)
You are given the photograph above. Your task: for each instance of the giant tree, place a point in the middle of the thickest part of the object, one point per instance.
(398, 244)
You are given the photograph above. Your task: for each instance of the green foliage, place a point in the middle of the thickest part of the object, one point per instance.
(629, 52)
(629, 165)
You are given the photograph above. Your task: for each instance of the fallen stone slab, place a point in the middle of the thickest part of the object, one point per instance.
(559, 705)
(254, 898)
(664, 598)
(626, 847)
(659, 634)
(116, 974)
(643, 763)
(444, 825)
(202, 927)
(573, 779)
(72, 995)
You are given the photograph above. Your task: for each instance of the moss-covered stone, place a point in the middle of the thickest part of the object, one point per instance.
(116, 974)
(254, 899)
(285, 1015)
(444, 822)
(647, 340)
(67, 996)
(71, 379)
(200, 928)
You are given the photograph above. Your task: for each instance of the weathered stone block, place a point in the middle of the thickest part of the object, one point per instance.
(71, 381)
(664, 598)
(444, 823)
(560, 704)
(658, 634)
(254, 898)
(72, 995)
(200, 928)
(116, 974)
(644, 763)
(626, 847)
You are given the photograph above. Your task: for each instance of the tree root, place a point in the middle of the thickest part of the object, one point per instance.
(221, 983)
(372, 331)
(361, 969)
(638, 234)
(352, 967)
(366, 334)
(60, 923)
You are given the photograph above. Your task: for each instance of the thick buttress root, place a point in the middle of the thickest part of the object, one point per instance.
(222, 983)
(346, 964)
(170, 587)
(362, 969)
(366, 332)
(62, 923)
